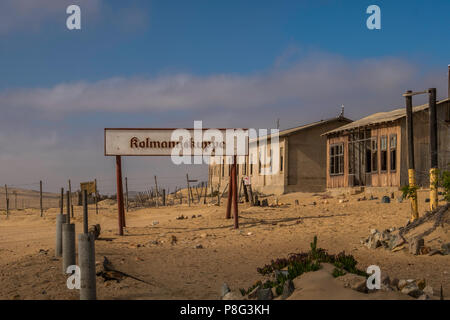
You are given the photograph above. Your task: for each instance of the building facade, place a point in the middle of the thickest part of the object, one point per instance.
(373, 151)
(301, 154)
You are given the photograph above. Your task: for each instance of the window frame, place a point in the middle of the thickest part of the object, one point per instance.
(339, 156)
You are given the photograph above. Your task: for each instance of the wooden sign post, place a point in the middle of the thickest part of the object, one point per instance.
(169, 142)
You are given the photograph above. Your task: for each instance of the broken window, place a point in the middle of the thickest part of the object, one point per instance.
(393, 150)
(374, 154)
(383, 153)
(337, 159)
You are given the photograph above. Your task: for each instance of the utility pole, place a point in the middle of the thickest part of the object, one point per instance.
(433, 149)
(411, 166)
(40, 198)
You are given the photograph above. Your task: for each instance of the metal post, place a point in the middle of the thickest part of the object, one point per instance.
(96, 197)
(230, 190)
(70, 199)
(60, 220)
(164, 197)
(40, 198)
(126, 191)
(433, 149)
(188, 190)
(235, 194)
(157, 191)
(68, 239)
(7, 201)
(411, 166)
(119, 194)
(86, 257)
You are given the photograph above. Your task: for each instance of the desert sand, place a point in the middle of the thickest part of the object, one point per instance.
(163, 251)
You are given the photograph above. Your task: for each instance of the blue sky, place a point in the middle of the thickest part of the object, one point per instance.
(168, 63)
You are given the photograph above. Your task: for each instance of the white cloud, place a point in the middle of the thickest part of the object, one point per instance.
(319, 82)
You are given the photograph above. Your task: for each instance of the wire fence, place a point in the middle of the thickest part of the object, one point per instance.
(28, 195)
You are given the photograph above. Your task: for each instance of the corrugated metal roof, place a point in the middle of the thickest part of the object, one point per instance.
(381, 117)
(287, 132)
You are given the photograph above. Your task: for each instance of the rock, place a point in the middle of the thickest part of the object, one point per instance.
(264, 203)
(155, 223)
(254, 293)
(424, 297)
(95, 230)
(421, 284)
(424, 250)
(274, 292)
(386, 288)
(224, 290)
(445, 248)
(194, 216)
(173, 240)
(373, 231)
(385, 280)
(415, 245)
(394, 283)
(434, 252)
(428, 290)
(412, 290)
(385, 199)
(264, 294)
(354, 281)
(402, 283)
(399, 199)
(198, 246)
(232, 295)
(395, 240)
(288, 288)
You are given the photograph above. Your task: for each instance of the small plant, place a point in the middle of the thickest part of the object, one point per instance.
(300, 263)
(445, 183)
(337, 272)
(409, 192)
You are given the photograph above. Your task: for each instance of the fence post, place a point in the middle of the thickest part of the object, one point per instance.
(70, 199)
(7, 201)
(96, 198)
(40, 198)
(157, 192)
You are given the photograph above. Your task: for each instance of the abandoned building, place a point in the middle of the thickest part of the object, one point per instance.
(373, 151)
(302, 161)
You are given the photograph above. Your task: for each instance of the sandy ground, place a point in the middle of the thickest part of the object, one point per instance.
(29, 270)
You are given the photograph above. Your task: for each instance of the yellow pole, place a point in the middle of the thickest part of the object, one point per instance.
(412, 183)
(433, 189)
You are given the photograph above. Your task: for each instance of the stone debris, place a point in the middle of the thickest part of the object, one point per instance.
(415, 245)
(264, 294)
(95, 230)
(224, 290)
(181, 217)
(232, 295)
(288, 288)
(198, 246)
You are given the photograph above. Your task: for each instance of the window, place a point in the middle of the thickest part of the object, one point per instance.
(337, 159)
(393, 150)
(368, 147)
(374, 154)
(281, 159)
(383, 154)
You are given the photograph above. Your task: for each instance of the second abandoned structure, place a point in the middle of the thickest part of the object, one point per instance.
(302, 159)
(372, 151)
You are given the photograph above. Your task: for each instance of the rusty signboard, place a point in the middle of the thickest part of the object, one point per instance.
(89, 186)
